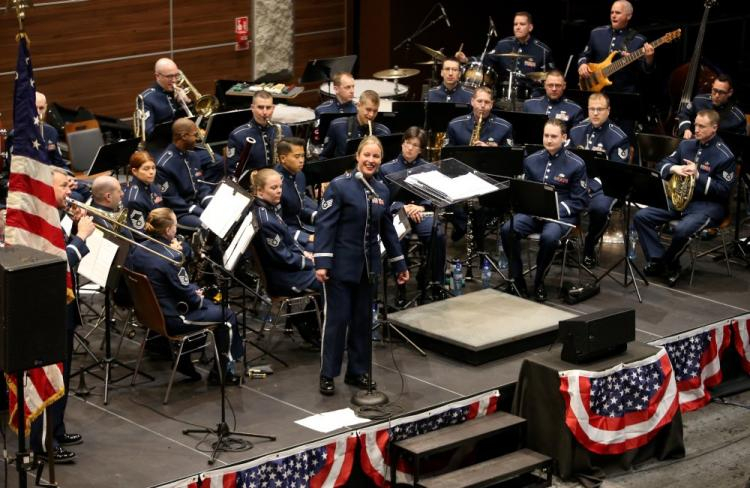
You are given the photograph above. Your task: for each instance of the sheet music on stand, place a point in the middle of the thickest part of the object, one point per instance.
(101, 259)
(446, 182)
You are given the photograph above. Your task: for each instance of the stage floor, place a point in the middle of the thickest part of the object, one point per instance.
(137, 441)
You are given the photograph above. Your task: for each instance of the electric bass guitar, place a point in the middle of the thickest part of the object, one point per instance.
(600, 72)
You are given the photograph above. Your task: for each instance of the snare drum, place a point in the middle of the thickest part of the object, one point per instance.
(476, 74)
(299, 119)
(384, 89)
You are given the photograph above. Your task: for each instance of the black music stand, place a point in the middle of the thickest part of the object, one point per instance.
(113, 156)
(535, 199)
(627, 106)
(221, 124)
(391, 146)
(527, 128)
(325, 122)
(740, 147)
(323, 69)
(325, 170)
(631, 185)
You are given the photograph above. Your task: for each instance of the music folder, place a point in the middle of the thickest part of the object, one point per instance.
(113, 156)
(636, 184)
(325, 170)
(535, 199)
(225, 208)
(325, 122)
(498, 162)
(106, 253)
(221, 124)
(527, 128)
(324, 69)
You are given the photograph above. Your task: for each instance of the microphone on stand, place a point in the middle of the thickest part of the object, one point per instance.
(445, 15)
(492, 28)
(359, 176)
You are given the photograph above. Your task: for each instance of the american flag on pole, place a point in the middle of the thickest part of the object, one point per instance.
(32, 221)
(741, 329)
(622, 408)
(695, 357)
(323, 464)
(374, 442)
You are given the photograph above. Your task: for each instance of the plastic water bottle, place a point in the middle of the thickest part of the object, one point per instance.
(458, 277)
(502, 259)
(632, 249)
(486, 273)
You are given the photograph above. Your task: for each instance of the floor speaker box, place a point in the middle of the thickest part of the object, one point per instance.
(596, 335)
(32, 308)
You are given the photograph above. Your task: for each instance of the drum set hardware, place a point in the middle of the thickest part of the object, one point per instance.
(395, 73)
(436, 55)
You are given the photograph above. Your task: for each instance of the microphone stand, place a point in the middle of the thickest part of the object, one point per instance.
(408, 41)
(370, 397)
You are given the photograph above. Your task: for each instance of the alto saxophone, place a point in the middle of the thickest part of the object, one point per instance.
(477, 130)
(276, 139)
(369, 127)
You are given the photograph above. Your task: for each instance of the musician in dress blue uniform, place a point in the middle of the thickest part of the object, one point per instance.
(182, 303)
(162, 101)
(617, 37)
(50, 137)
(599, 134)
(450, 90)
(713, 164)
(179, 174)
(731, 117)
(556, 166)
(143, 194)
(554, 104)
(350, 225)
(345, 128)
(495, 131)
(297, 209)
(415, 138)
(75, 250)
(261, 130)
(343, 100)
(538, 56)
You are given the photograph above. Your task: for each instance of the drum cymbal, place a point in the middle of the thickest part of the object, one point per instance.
(536, 75)
(431, 52)
(428, 62)
(509, 55)
(395, 73)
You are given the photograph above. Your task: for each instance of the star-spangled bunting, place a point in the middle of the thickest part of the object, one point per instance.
(374, 441)
(622, 408)
(32, 221)
(741, 330)
(696, 359)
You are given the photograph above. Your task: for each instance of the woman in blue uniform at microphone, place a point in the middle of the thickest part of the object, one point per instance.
(182, 303)
(352, 220)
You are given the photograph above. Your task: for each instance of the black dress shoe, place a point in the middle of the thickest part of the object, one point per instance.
(360, 381)
(540, 293)
(654, 268)
(230, 379)
(185, 366)
(60, 456)
(327, 387)
(518, 290)
(70, 439)
(673, 274)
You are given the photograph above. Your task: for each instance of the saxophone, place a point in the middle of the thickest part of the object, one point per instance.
(477, 130)
(277, 135)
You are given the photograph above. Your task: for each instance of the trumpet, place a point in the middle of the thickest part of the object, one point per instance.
(117, 221)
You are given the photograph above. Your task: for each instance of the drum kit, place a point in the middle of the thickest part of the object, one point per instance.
(393, 75)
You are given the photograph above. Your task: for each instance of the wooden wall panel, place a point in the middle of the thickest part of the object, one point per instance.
(205, 23)
(318, 15)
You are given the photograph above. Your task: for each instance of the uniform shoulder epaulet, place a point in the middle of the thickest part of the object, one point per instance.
(166, 156)
(703, 96)
(600, 28)
(327, 103)
(148, 92)
(571, 102)
(737, 112)
(239, 129)
(263, 213)
(460, 118)
(575, 158)
(620, 133)
(580, 126)
(500, 121)
(434, 89)
(724, 149)
(132, 193)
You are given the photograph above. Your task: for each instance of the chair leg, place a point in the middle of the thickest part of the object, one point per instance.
(722, 233)
(216, 355)
(174, 370)
(140, 357)
(692, 260)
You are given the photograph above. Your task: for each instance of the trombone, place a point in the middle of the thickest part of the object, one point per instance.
(116, 219)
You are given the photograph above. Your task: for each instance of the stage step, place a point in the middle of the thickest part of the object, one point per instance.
(452, 437)
(494, 471)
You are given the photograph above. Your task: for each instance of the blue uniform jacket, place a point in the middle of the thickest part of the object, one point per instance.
(563, 109)
(540, 60)
(731, 117)
(441, 94)
(716, 169)
(341, 235)
(286, 268)
(602, 41)
(297, 209)
(181, 179)
(50, 139)
(160, 106)
(608, 138)
(335, 107)
(171, 284)
(140, 199)
(567, 173)
(345, 128)
(494, 129)
(394, 166)
(261, 154)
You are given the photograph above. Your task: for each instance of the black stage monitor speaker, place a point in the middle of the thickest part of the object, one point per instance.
(596, 335)
(32, 308)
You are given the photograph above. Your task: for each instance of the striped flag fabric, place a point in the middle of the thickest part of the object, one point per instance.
(696, 359)
(375, 441)
(621, 408)
(741, 330)
(32, 221)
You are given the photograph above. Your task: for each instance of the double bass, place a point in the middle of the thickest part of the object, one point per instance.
(687, 76)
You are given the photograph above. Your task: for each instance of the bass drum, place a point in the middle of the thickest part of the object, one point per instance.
(299, 119)
(385, 89)
(476, 74)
